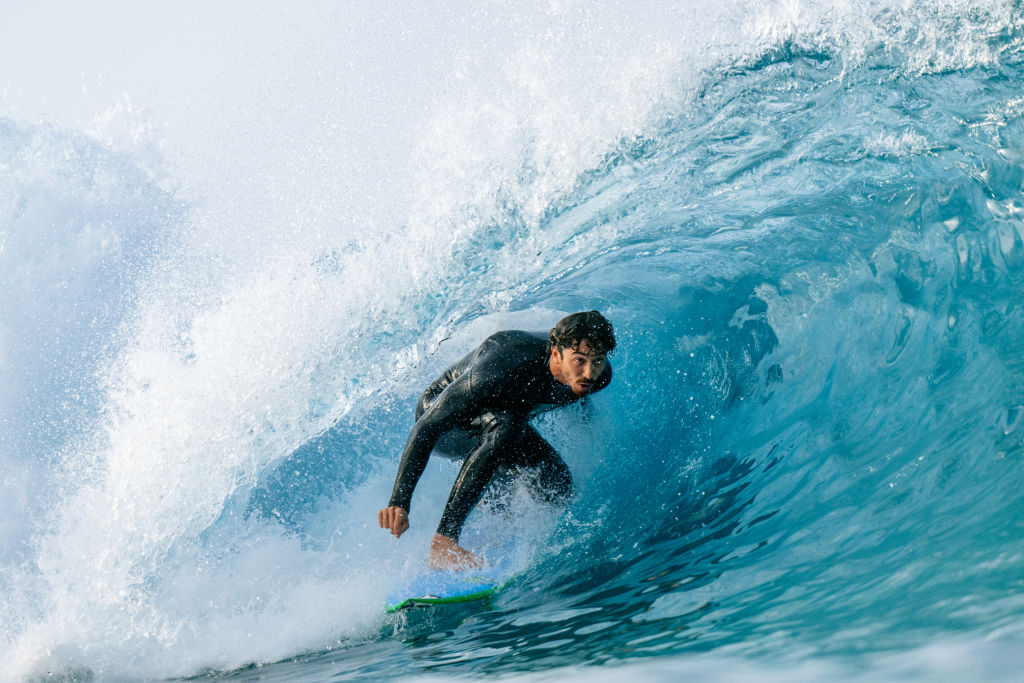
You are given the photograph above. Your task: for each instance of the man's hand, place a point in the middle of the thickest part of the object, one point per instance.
(394, 518)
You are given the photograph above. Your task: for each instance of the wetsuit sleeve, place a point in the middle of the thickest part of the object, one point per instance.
(456, 403)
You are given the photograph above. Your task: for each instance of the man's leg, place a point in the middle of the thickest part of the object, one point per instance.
(553, 482)
(498, 441)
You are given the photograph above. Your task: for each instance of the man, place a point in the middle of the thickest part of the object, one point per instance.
(480, 408)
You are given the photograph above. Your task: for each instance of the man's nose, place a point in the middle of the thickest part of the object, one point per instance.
(588, 371)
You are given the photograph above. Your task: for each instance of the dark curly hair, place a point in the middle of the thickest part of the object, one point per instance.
(586, 326)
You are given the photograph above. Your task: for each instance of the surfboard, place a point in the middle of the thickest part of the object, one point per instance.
(446, 588)
(439, 587)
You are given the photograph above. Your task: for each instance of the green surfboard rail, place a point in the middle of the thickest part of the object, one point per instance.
(452, 600)
(425, 600)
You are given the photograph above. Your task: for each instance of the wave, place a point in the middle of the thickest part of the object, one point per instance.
(806, 226)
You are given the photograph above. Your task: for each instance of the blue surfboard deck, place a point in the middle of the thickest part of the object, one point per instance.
(438, 587)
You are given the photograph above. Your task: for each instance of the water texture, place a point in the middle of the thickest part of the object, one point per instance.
(806, 222)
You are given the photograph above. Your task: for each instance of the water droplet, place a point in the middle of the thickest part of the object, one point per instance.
(1012, 420)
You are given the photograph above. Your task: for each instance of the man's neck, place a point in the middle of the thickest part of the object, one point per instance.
(555, 369)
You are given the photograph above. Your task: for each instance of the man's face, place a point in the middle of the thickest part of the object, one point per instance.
(578, 366)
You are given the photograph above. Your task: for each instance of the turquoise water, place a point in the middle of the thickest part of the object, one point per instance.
(809, 232)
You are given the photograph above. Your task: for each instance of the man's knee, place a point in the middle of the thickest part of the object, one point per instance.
(552, 483)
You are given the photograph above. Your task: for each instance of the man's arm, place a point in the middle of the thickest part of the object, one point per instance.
(454, 404)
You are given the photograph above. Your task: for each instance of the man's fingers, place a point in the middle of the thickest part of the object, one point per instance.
(399, 522)
(394, 518)
(400, 526)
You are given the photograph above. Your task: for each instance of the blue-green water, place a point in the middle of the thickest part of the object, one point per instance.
(810, 238)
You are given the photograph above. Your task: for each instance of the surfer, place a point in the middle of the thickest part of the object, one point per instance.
(479, 410)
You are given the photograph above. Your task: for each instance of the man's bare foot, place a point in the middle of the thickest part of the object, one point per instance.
(446, 554)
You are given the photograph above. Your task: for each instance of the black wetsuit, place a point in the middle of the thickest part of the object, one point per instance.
(479, 408)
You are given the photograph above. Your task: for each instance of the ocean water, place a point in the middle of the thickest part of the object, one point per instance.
(220, 302)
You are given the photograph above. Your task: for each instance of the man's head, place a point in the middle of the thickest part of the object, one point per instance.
(579, 344)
